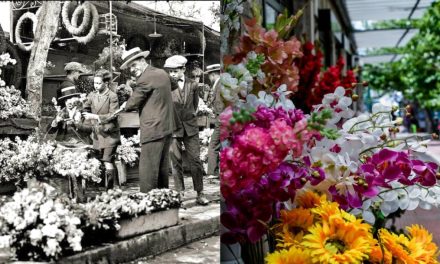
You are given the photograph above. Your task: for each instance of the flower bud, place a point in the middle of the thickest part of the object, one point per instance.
(303, 180)
(396, 130)
(394, 108)
(383, 136)
(437, 175)
(353, 85)
(399, 121)
(365, 83)
(408, 107)
(315, 174)
(435, 136)
(355, 97)
(408, 114)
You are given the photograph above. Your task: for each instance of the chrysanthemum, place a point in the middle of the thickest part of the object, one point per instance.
(336, 241)
(292, 256)
(294, 224)
(310, 199)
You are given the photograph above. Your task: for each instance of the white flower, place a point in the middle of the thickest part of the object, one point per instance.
(46, 208)
(338, 103)
(49, 230)
(35, 236)
(52, 247)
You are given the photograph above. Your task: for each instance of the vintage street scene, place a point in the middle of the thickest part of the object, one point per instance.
(107, 111)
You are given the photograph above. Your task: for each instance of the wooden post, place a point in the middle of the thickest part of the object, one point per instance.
(46, 30)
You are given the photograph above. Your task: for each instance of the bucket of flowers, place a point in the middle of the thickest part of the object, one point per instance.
(127, 157)
(315, 188)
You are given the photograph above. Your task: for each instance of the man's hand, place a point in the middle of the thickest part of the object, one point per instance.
(122, 107)
(90, 116)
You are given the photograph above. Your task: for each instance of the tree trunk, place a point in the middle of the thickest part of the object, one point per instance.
(46, 30)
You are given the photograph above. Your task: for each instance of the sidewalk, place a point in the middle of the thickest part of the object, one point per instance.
(427, 218)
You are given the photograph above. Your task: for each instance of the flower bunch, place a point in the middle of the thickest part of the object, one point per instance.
(11, 102)
(329, 81)
(75, 164)
(123, 92)
(41, 224)
(129, 150)
(276, 56)
(5, 59)
(108, 208)
(237, 81)
(260, 140)
(205, 138)
(50, 65)
(25, 159)
(318, 231)
(203, 109)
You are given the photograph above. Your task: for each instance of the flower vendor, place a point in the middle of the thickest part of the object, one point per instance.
(101, 105)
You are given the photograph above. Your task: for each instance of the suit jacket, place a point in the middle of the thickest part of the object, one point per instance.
(152, 98)
(186, 101)
(106, 133)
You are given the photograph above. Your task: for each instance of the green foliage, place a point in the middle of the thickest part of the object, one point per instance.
(417, 74)
(317, 122)
(253, 65)
(285, 23)
(393, 24)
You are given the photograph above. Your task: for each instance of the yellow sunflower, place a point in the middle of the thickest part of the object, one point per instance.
(336, 241)
(310, 199)
(416, 248)
(294, 224)
(377, 255)
(397, 245)
(292, 256)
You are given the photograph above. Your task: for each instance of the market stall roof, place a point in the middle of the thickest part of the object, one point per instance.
(364, 12)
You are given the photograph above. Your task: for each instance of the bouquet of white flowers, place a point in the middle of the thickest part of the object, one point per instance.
(39, 224)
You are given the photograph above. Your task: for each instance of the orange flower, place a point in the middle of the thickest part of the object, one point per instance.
(310, 199)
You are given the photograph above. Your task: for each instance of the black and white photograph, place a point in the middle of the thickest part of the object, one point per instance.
(109, 132)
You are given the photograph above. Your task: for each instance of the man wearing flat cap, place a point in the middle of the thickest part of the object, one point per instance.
(73, 71)
(152, 98)
(186, 137)
(216, 103)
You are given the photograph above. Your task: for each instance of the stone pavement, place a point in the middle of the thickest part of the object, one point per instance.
(202, 251)
(427, 218)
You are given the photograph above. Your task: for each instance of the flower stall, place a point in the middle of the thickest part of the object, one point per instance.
(40, 224)
(317, 187)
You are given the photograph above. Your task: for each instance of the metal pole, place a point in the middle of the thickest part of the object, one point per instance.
(203, 52)
(111, 42)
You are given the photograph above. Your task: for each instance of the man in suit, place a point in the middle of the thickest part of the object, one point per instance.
(152, 98)
(185, 138)
(216, 103)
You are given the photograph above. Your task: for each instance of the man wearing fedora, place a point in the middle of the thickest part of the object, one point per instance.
(73, 71)
(185, 138)
(152, 98)
(216, 103)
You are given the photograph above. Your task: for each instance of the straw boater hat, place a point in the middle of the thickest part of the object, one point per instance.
(176, 61)
(212, 67)
(132, 54)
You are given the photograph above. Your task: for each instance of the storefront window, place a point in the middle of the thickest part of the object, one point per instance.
(270, 15)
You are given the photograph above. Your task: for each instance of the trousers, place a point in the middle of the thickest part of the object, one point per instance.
(213, 150)
(154, 164)
(192, 149)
